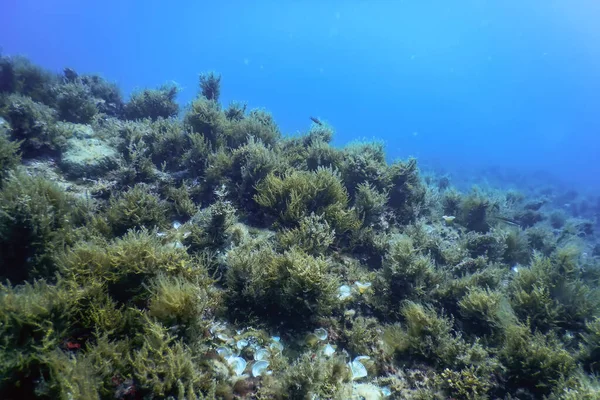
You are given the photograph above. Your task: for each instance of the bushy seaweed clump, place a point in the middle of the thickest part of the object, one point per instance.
(117, 300)
(213, 246)
(153, 104)
(37, 219)
(292, 287)
(297, 194)
(19, 75)
(75, 103)
(33, 125)
(134, 209)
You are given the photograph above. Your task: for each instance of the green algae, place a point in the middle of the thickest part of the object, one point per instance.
(214, 236)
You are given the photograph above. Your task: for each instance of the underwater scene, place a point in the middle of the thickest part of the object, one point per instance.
(349, 200)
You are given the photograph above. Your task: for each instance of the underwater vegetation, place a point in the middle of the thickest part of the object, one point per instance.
(149, 251)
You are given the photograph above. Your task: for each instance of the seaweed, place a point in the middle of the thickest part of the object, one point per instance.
(19, 75)
(218, 258)
(258, 124)
(406, 192)
(210, 227)
(206, 118)
(75, 103)
(314, 235)
(10, 156)
(153, 104)
(550, 294)
(292, 288)
(33, 125)
(370, 203)
(297, 194)
(534, 361)
(406, 274)
(210, 85)
(37, 218)
(134, 209)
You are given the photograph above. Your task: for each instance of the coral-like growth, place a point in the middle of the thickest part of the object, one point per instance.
(250, 164)
(516, 248)
(166, 143)
(176, 301)
(465, 384)
(488, 245)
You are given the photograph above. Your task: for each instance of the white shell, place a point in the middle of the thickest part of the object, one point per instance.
(241, 343)
(238, 364)
(321, 333)
(276, 347)
(223, 337)
(358, 369)
(345, 292)
(176, 224)
(328, 350)
(261, 354)
(259, 368)
(224, 352)
(276, 338)
(386, 391)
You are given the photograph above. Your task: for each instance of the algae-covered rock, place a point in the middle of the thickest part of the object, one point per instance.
(87, 156)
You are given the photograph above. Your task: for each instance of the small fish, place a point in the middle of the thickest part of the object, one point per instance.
(507, 221)
(316, 120)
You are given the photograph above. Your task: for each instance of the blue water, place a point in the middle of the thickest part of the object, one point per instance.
(466, 85)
